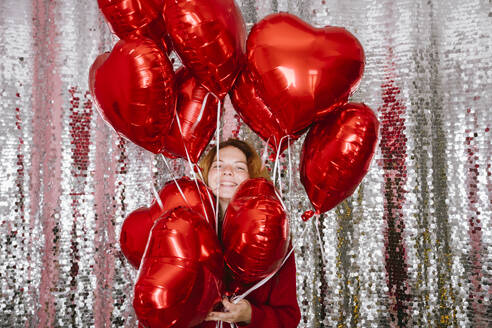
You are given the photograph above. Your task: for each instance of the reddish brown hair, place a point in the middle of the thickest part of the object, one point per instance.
(255, 165)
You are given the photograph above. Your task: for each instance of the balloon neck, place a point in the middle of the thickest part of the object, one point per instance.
(307, 215)
(155, 211)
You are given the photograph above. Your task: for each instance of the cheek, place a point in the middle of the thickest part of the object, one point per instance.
(242, 177)
(212, 179)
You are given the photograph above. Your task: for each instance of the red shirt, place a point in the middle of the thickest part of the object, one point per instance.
(273, 305)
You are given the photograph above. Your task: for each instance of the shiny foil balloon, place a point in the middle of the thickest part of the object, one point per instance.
(135, 93)
(137, 225)
(134, 235)
(200, 199)
(255, 233)
(136, 19)
(300, 71)
(157, 4)
(209, 37)
(336, 154)
(180, 279)
(258, 116)
(197, 115)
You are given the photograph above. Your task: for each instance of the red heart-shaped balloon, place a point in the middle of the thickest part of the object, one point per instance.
(137, 225)
(301, 72)
(180, 279)
(336, 154)
(255, 233)
(136, 19)
(258, 116)
(197, 115)
(209, 37)
(135, 234)
(158, 4)
(198, 197)
(135, 92)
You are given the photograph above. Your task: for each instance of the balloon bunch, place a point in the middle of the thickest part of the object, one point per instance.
(297, 78)
(180, 276)
(180, 259)
(137, 92)
(174, 245)
(285, 79)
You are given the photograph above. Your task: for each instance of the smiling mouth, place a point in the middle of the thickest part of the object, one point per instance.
(228, 184)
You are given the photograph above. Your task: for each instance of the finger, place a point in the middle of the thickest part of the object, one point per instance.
(227, 305)
(222, 316)
(211, 316)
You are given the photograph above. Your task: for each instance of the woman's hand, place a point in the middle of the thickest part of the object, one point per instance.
(240, 312)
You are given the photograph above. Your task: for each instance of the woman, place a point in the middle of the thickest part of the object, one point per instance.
(275, 303)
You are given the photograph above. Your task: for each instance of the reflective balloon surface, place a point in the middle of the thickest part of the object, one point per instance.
(137, 225)
(180, 279)
(200, 199)
(255, 233)
(135, 234)
(157, 4)
(301, 72)
(258, 116)
(209, 37)
(135, 93)
(197, 115)
(336, 154)
(136, 19)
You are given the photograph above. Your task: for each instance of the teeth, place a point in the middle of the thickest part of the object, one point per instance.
(228, 184)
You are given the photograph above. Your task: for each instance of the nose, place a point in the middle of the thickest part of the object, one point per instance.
(227, 170)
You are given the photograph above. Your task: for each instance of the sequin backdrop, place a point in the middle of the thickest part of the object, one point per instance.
(410, 248)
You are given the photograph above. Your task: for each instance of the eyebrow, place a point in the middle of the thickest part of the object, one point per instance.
(243, 162)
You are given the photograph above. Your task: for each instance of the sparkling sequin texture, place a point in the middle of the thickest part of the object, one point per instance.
(410, 248)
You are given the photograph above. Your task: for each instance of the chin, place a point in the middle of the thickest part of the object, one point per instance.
(226, 195)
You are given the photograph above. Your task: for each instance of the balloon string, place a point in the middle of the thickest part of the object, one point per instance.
(274, 177)
(217, 139)
(202, 201)
(159, 201)
(316, 223)
(185, 148)
(264, 155)
(192, 167)
(290, 174)
(277, 161)
(280, 176)
(238, 298)
(154, 191)
(175, 181)
(202, 110)
(208, 193)
(280, 199)
(280, 183)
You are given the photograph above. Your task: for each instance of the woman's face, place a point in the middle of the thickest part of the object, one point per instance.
(227, 174)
